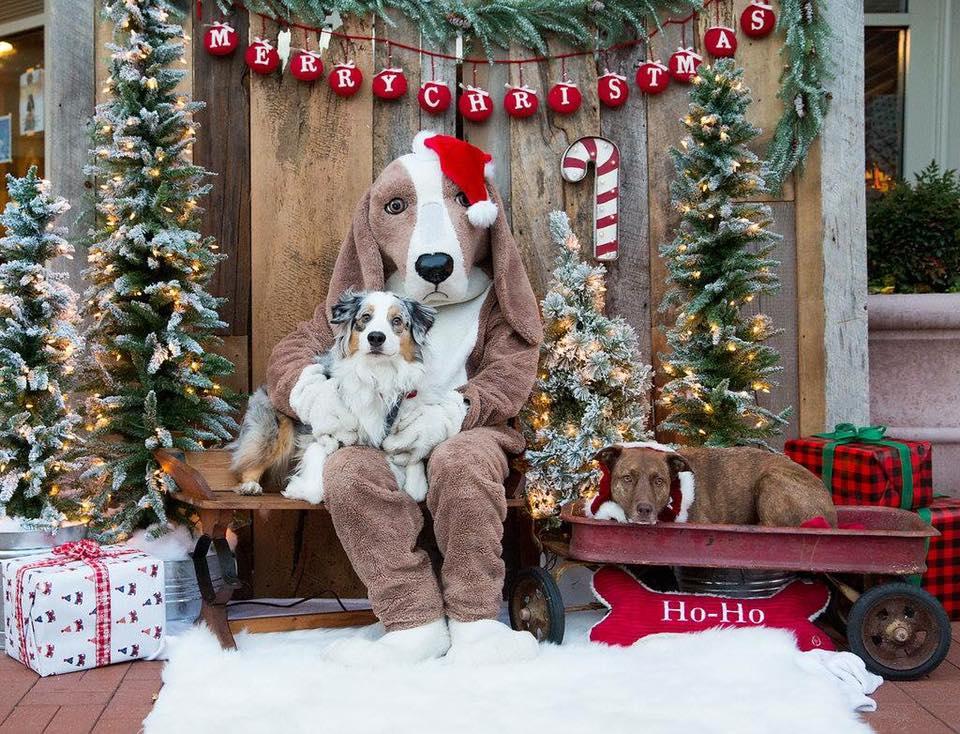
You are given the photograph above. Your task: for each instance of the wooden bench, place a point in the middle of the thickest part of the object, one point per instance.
(206, 486)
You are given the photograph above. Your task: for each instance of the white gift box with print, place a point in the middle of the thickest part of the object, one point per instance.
(82, 606)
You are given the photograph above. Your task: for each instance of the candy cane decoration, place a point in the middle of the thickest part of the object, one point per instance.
(606, 189)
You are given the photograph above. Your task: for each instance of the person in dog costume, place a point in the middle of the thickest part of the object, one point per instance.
(431, 227)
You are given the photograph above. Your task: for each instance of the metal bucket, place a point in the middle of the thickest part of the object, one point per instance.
(732, 582)
(182, 593)
(32, 543)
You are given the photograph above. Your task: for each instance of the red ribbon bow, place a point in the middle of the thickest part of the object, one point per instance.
(79, 550)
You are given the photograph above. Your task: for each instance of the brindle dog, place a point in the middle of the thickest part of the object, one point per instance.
(737, 486)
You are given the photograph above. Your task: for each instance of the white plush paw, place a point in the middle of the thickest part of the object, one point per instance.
(301, 488)
(248, 488)
(488, 641)
(610, 510)
(403, 647)
(304, 393)
(415, 481)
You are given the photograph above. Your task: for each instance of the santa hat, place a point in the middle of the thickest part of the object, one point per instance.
(468, 167)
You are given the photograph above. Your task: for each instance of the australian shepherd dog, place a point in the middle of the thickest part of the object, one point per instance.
(374, 371)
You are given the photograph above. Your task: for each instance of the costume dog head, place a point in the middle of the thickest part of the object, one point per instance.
(434, 226)
(378, 323)
(645, 482)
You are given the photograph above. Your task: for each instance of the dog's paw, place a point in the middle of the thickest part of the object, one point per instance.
(415, 481)
(249, 488)
(301, 488)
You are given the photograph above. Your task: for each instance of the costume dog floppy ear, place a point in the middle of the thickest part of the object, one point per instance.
(359, 264)
(514, 292)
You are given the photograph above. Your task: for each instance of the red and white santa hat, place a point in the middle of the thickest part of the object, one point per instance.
(468, 167)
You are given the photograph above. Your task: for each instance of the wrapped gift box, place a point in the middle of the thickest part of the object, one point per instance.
(83, 606)
(942, 577)
(876, 471)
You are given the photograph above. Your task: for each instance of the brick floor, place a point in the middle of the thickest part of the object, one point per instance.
(112, 700)
(115, 700)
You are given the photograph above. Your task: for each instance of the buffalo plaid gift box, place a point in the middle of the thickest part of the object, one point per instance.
(862, 467)
(942, 577)
(82, 606)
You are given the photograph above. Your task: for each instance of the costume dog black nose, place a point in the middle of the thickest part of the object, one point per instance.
(376, 338)
(435, 267)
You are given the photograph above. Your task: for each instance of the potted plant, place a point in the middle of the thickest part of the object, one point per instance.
(913, 250)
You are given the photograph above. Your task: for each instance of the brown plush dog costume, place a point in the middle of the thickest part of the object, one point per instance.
(648, 482)
(424, 230)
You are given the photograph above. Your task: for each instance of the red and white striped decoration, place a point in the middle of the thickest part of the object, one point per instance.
(605, 157)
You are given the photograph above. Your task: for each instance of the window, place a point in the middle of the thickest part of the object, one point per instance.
(911, 106)
(21, 104)
(884, 72)
(885, 6)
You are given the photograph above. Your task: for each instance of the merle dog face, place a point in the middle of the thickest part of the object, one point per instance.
(380, 324)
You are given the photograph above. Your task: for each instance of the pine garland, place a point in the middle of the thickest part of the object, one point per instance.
(152, 379)
(38, 348)
(718, 264)
(804, 99)
(498, 23)
(592, 388)
(495, 23)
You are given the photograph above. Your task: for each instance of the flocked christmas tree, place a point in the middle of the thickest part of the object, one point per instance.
(38, 346)
(719, 263)
(153, 381)
(592, 388)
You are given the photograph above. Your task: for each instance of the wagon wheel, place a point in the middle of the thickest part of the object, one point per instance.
(901, 631)
(536, 605)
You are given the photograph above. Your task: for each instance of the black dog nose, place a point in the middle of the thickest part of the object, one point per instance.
(376, 338)
(644, 511)
(435, 267)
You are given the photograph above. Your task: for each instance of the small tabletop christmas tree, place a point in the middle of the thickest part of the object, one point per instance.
(153, 381)
(592, 388)
(38, 342)
(719, 263)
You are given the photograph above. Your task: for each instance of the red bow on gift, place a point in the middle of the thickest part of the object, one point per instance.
(79, 550)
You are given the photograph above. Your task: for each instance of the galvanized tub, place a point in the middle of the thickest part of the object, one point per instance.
(182, 593)
(32, 543)
(736, 583)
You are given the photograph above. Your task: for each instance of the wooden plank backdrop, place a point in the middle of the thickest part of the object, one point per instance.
(292, 159)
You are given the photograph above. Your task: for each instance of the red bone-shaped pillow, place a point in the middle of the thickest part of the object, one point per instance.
(637, 611)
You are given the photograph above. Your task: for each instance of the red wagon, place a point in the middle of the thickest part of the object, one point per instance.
(900, 630)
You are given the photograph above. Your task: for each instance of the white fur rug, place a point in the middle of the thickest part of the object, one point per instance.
(738, 681)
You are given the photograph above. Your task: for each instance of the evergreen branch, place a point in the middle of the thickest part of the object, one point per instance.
(589, 23)
(805, 101)
(494, 23)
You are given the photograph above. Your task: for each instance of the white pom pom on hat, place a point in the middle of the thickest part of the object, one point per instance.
(468, 167)
(483, 213)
